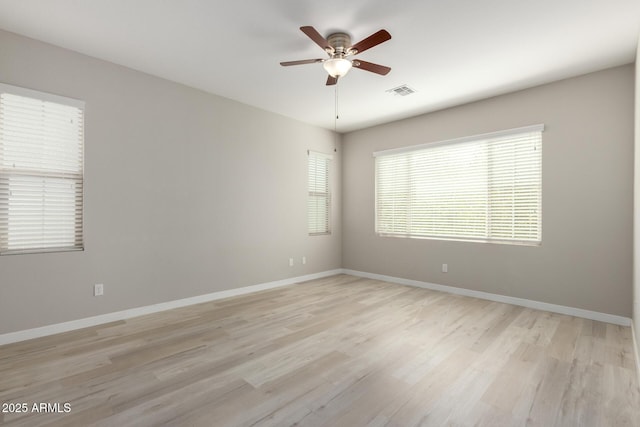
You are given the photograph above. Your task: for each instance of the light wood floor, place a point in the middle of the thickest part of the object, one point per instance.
(340, 351)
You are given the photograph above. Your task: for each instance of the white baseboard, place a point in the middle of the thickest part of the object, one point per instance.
(57, 328)
(561, 309)
(635, 351)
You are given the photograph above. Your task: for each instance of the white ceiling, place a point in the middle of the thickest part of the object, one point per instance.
(449, 51)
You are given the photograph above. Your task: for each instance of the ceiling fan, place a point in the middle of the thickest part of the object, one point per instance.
(339, 48)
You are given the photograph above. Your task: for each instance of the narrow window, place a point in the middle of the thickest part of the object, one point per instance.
(319, 202)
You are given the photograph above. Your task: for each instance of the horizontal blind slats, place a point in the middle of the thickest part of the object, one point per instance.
(488, 189)
(41, 173)
(319, 198)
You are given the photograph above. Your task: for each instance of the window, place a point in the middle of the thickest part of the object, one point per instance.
(319, 202)
(41, 172)
(483, 188)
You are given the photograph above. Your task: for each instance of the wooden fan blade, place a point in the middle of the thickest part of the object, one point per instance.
(304, 61)
(371, 41)
(332, 80)
(316, 37)
(370, 66)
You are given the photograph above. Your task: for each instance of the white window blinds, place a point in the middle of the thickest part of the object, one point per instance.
(482, 188)
(41, 171)
(319, 201)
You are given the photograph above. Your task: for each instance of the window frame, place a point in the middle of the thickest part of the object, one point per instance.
(486, 137)
(48, 178)
(311, 195)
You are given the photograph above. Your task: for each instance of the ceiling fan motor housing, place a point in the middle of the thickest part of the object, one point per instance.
(340, 42)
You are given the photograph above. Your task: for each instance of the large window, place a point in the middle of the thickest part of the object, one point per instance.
(41, 171)
(483, 188)
(319, 201)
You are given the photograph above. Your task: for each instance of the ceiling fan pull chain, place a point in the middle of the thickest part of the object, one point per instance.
(335, 118)
(336, 106)
(337, 115)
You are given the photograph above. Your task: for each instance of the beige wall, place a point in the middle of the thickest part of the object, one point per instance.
(186, 193)
(585, 259)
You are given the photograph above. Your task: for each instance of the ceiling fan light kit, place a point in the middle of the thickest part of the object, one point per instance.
(338, 46)
(337, 67)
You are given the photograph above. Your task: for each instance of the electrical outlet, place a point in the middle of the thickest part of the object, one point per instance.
(290, 262)
(304, 260)
(98, 289)
(445, 268)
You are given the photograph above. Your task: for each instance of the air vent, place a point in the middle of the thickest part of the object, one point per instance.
(403, 90)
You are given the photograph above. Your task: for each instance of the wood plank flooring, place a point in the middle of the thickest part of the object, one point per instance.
(340, 351)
